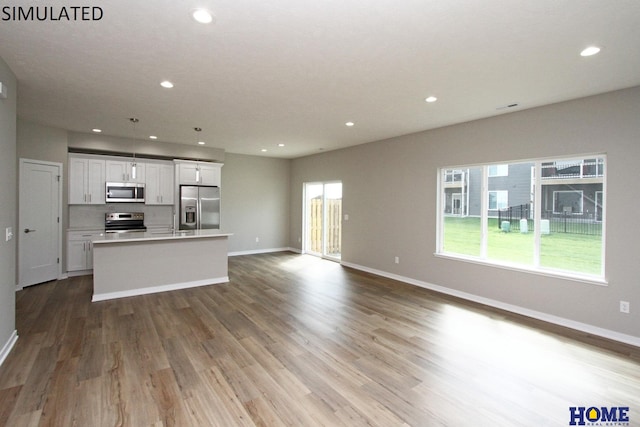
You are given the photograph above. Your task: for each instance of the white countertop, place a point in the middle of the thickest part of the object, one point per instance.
(143, 236)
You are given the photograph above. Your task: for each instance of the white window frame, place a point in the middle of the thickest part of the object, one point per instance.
(498, 170)
(504, 199)
(597, 279)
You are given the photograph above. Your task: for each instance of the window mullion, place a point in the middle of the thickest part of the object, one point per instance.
(537, 213)
(484, 213)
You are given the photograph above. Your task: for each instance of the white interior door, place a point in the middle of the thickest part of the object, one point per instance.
(39, 233)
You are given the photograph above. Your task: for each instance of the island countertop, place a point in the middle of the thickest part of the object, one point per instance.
(144, 236)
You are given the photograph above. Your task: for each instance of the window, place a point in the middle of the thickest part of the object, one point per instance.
(554, 223)
(453, 175)
(568, 202)
(498, 170)
(498, 200)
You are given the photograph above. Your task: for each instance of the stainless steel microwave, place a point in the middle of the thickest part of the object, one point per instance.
(124, 192)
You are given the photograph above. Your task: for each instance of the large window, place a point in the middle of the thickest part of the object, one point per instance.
(553, 224)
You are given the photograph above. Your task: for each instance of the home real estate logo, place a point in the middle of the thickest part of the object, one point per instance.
(599, 416)
(51, 13)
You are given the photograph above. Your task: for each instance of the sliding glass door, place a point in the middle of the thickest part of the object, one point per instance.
(323, 219)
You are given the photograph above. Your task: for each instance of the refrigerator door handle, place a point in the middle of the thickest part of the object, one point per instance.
(199, 214)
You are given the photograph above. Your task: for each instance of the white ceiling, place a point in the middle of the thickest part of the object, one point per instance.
(294, 71)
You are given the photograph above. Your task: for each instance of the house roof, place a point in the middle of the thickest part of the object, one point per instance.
(293, 72)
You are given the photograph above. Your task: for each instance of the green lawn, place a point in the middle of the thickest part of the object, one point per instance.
(564, 251)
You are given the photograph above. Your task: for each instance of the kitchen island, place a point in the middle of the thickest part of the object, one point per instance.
(129, 264)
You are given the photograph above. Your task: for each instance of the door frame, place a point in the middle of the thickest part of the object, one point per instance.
(304, 246)
(305, 225)
(456, 197)
(22, 163)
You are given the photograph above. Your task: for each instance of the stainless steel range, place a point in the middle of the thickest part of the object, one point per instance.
(123, 222)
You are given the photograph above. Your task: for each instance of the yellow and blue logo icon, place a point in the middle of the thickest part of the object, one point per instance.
(594, 415)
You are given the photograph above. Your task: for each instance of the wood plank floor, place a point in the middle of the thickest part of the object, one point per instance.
(298, 341)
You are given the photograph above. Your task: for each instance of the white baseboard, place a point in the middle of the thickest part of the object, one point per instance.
(79, 273)
(549, 318)
(261, 251)
(156, 289)
(6, 349)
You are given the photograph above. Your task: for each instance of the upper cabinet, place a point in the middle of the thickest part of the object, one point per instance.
(86, 180)
(198, 173)
(129, 170)
(159, 183)
(88, 175)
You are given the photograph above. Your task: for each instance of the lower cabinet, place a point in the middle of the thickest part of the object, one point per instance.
(80, 249)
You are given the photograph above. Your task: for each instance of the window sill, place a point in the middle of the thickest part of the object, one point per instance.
(588, 279)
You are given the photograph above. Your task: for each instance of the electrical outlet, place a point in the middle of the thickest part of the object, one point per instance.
(257, 240)
(346, 217)
(624, 307)
(8, 234)
(397, 260)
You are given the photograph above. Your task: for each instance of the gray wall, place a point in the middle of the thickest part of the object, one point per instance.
(8, 204)
(255, 202)
(389, 193)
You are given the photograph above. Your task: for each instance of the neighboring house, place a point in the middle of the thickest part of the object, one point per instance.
(569, 187)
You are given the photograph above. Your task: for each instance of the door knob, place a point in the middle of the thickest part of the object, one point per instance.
(26, 230)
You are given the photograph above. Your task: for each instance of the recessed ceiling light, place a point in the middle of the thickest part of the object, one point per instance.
(591, 50)
(280, 145)
(349, 124)
(153, 137)
(264, 150)
(166, 84)
(431, 99)
(201, 142)
(97, 130)
(203, 16)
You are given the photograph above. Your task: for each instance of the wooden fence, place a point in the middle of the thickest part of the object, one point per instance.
(333, 224)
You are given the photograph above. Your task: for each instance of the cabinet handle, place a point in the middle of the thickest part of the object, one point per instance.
(89, 198)
(84, 197)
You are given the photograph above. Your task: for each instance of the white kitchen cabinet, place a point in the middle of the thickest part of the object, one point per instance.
(159, 185)
(80, 249)
(86, 181)
(199, 173)
(123, 171)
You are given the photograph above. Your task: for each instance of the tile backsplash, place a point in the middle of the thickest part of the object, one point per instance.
(92, 216)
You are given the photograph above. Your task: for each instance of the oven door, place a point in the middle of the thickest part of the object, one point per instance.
(123, 192)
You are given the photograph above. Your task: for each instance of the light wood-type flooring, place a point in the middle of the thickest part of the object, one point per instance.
(299, 341)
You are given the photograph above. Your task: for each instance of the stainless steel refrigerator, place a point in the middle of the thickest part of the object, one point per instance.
(199, 207)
